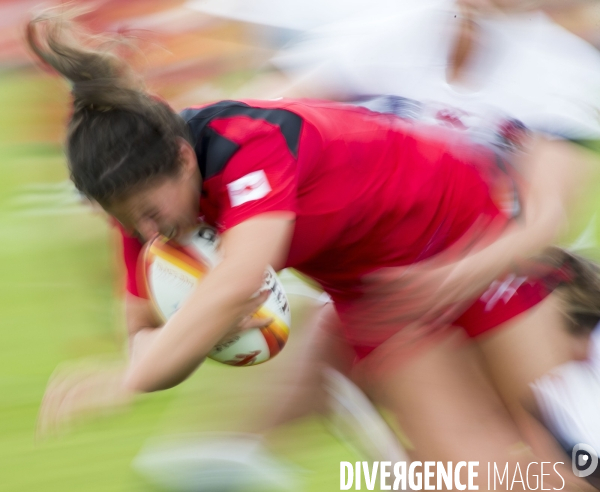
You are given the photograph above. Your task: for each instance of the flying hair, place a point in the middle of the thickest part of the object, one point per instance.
(581, 294)
(119, 137)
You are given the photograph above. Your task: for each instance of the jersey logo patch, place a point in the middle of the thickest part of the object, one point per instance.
(502, 290)
(251, 187)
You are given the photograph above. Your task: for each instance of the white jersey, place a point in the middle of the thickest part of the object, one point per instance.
(526, 66)
(569, 399)
(297, 15)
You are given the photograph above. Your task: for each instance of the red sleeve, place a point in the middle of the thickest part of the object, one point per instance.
(132, 248)
(261, 176)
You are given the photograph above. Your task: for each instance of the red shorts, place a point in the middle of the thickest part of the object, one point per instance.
(504, 300)
(507, 298)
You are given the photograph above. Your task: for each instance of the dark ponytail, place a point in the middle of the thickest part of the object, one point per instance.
(119, 138)
(581, 294)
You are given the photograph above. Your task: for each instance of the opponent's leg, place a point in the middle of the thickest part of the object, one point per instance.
(518, 353)
(446, 405)
(525, 348)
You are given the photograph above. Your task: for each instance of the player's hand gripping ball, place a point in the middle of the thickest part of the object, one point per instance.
(170, 272)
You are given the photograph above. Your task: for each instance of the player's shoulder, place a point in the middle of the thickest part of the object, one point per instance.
(240, 119)
(219, 130)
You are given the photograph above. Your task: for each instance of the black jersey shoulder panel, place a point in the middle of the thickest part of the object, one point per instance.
(214, 150)
(290, 124)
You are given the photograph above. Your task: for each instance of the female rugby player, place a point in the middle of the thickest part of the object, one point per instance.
(337, 192)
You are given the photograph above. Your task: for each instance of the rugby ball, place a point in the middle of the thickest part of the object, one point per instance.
(170, 271)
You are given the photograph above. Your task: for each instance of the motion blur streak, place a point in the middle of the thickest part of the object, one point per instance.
(61, 281)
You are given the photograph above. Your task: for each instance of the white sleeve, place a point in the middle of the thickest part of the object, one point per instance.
(569, 399)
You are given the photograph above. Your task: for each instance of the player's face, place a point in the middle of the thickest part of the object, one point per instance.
(168, 205)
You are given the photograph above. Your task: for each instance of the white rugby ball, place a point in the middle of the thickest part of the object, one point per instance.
(170, 272)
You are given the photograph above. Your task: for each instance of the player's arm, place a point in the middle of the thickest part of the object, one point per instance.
(141, 319)
(556, 172)
(142, 323)
(258, 229)
(215, 305)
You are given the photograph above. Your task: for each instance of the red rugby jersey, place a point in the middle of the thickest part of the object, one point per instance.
(368, 190)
